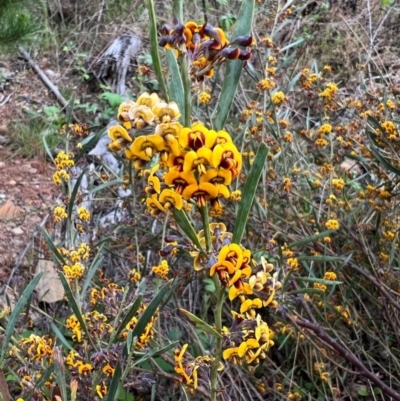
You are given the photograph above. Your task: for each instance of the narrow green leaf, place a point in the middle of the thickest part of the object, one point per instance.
(183, 222)
(381, 159)
(70, 109)
(200, 324)
(16, 314)
(375, 124)
(52, 247)
(155, 54)
(151, 309)
(293, 44)
(47, 148)
(97, 262)
(175, 87)
(318, 280)
(61, 337)
(60, 379)
(87, 144)
(163, 350)
(74, 306)
(320, 258)
(311, 238)
(74, 193)
(305, 291)
(44, 377)
(132, 312)
(114, 383)
(249, 192)
(234, 68)
(105, 185)
(148, 314)
(156, 352)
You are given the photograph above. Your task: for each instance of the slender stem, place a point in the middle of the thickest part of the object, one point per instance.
(218, 344)
(187, 89)
(206, 226)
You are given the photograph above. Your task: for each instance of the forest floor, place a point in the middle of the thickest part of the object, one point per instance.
(26, 187)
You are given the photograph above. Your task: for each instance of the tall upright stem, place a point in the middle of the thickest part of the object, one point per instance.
(206, 226)
(218, 345)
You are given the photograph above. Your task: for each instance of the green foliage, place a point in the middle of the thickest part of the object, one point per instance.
(16, 22)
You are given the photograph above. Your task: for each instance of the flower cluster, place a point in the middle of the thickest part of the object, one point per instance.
(205, 46)
(192, 370)
(248, 340)
(252, 283)
(63, 162)
(74, 269)
(195, 163)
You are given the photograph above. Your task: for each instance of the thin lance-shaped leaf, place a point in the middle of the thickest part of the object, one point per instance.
(249, 192)
(114, 383)
(154, 353)
(175, 87)
(381, 159)
(311, 238)
(61, 337)
(70, 109)
(183, 222)
(74, 192)
(318, 280)
(47, 148)
(321, 258)
(59, 370)
(234, 68)
(88, 143)
(75, 307)
(375, 123)
(200, 324)
(148, 314)
(305, 291)
(132, 312)
(45, 376)
(52, 247)
(15, 315)
(97, 262)
(155, 54)
(106, 185)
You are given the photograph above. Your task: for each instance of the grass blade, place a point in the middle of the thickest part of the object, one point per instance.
(155, 54)
(234, 68)
(249, 192)
(15, 315)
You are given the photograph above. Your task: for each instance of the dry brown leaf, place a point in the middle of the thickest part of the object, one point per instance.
(8, 210)
(5, 394)
(49, 288)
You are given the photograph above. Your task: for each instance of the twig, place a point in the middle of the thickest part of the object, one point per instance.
(324, 337)
(46, 80)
